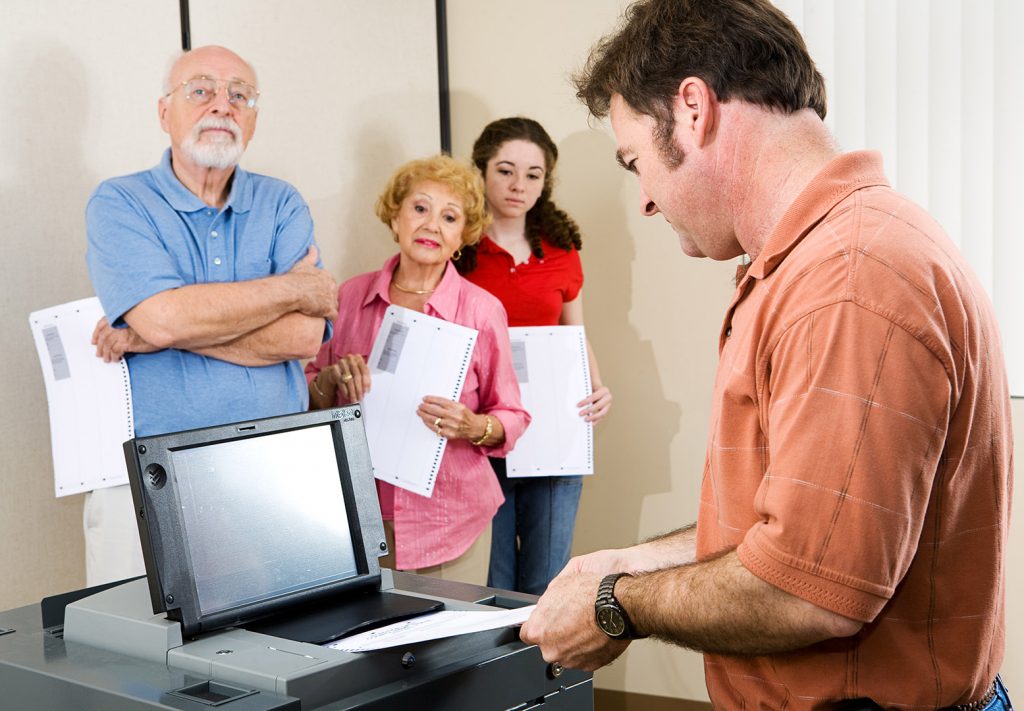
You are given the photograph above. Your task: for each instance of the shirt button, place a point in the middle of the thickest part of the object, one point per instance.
(512, 270)
(216, 260)
(209, 212)
(214, 233)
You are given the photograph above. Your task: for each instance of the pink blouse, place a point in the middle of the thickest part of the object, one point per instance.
(431, 531)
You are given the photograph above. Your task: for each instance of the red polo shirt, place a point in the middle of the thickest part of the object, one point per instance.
(532, 292)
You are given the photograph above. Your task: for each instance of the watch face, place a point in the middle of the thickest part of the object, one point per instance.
(611, 622)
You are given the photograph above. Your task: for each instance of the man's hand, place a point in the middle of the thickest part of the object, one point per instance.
(112, 343)
(316, 289)
(564, 628)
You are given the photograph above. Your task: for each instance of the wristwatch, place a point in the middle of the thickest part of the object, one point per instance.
(610, 616)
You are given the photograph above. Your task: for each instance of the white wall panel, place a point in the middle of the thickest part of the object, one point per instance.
(1008, 181)
(819, 27)
(945, 99)
(913, 130)
(880, 47)
(848, 104)
(977, 139)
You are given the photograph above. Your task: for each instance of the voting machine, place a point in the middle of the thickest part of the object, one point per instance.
(261, 541)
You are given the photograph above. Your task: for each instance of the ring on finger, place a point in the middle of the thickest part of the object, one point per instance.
(346, 377)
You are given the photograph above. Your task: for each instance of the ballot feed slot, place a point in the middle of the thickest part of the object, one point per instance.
(331, 620)
(211, 693)
(506, 602)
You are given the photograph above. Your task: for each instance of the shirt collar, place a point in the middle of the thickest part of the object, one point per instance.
(184, 200)
(443, 302)
(445, 299)
(841, 177)
(487, 245)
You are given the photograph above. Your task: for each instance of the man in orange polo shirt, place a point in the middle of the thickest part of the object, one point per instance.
(849, 548)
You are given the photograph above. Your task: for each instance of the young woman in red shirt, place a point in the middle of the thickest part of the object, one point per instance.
(529, 259)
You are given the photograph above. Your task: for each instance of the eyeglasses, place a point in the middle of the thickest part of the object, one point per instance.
(201, 90)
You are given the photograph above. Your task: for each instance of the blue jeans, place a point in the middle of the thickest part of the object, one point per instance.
(1001, 702)
(531, 534)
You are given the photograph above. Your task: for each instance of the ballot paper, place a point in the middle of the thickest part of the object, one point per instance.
(414, 355)
(436, 625)
(554, 375)
(90, 401)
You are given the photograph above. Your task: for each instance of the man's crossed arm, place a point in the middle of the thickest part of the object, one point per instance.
(251, 323)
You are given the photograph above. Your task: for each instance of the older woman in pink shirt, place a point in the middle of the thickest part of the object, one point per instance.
(434, 207)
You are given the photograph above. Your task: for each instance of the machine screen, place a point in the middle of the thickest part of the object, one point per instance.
(263, 516)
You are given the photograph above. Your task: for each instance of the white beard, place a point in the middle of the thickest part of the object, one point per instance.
(214, 152)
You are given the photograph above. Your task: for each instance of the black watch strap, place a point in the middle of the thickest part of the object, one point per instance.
(606, 599)
(606, 590)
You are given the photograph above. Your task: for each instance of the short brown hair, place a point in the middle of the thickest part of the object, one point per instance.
(461, 179)
(743, 49)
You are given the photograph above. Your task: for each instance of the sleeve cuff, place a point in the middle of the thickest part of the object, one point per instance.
(829, 590)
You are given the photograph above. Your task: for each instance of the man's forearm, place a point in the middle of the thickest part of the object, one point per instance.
(717, 605)
(203, 315)
(666, 551)
(291, 337)
(679, 547)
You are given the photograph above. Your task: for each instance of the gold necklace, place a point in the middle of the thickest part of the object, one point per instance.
(418, 292)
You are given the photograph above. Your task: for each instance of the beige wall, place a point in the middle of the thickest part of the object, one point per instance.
(63, 122)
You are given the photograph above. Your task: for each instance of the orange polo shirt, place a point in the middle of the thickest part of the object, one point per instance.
(860, 452)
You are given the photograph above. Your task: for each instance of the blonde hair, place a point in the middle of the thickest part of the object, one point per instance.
(461, 178)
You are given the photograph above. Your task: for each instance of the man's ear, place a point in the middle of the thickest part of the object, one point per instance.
(695, 109)
(161, 112)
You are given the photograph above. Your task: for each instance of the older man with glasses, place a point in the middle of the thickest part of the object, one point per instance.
(209, 279)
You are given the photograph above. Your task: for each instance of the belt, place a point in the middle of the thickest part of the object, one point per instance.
(869, 705)
(976, 705)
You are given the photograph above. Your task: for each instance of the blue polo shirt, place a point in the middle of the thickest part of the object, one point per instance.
(148, 233)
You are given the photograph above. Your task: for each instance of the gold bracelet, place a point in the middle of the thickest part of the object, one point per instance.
(317, 387)
(488, 431)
